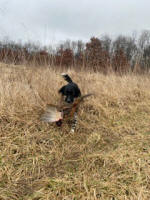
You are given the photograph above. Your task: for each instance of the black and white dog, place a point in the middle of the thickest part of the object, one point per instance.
(70, 91)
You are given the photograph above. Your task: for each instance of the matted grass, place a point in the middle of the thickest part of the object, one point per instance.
(107, 158)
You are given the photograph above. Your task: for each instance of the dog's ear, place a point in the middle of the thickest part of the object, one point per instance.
(77, 92)
(62, 90)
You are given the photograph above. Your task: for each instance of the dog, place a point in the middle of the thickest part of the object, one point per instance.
(69, 93)
(71, 99)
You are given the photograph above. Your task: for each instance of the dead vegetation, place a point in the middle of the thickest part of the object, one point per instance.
(108, 157)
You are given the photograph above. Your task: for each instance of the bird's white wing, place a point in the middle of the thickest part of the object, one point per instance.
(51, 114)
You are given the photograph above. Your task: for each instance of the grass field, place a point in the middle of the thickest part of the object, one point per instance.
(108, 158)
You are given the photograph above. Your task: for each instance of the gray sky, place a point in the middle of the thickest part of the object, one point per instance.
(50, 21)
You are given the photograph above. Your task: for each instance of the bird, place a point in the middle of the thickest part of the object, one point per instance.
(58, 113)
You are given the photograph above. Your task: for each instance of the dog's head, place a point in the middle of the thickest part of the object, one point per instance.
(70, 92)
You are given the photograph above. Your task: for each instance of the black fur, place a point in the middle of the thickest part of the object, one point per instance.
(71, 90)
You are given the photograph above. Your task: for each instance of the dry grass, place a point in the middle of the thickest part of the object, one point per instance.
(109, 156)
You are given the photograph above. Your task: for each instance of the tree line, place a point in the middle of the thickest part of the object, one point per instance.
(122, 54)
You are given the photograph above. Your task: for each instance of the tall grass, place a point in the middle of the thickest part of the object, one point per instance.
(107, 158)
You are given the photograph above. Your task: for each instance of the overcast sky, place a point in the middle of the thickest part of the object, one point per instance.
(50, 21)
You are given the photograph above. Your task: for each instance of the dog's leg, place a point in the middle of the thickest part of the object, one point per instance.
(74, 123)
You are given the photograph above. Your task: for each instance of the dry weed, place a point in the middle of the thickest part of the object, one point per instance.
(107, 158)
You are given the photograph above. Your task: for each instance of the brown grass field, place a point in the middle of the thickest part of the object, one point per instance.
(108, 158)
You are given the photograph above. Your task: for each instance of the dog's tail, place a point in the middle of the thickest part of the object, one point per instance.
(66, 77)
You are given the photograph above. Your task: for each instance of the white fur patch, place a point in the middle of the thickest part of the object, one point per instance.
(72, 130)
(63, 74)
